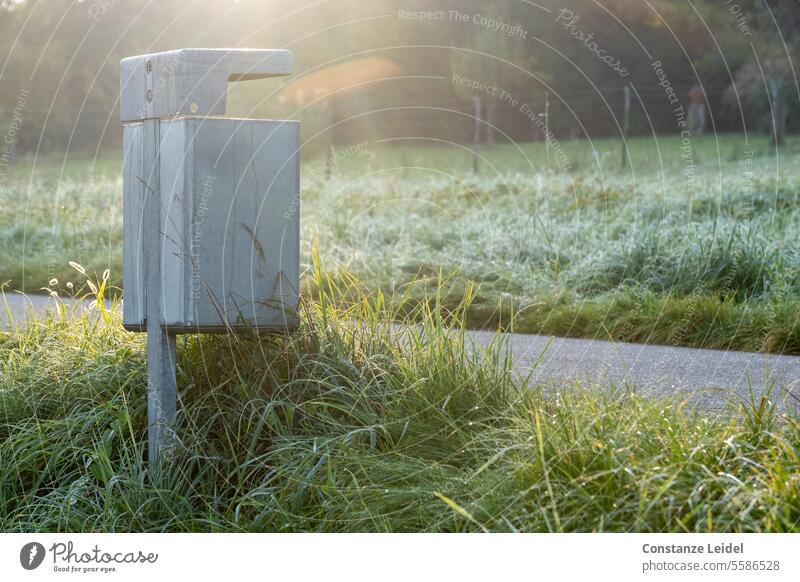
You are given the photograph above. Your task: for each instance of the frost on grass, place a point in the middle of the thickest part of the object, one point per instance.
(631, 255)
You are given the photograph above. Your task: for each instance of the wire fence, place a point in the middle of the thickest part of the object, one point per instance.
(612, 111)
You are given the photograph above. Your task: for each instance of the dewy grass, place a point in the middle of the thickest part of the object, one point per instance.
(639, 255)
(357, 424)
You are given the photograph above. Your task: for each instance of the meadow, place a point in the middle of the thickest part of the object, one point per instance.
(693, 247)
(355, 424)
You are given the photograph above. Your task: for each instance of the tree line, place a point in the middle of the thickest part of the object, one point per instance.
(514, 57)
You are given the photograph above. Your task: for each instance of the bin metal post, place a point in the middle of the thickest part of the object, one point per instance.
(161, 387)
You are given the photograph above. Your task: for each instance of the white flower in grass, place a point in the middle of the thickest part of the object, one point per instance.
(77, 267)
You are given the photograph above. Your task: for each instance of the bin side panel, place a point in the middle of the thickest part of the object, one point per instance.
(277, 221)
(245, 239)
(133, 304)
(175, 248)
(212, 183)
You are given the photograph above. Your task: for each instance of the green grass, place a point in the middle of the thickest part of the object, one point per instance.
(362, 426)
(585, 249)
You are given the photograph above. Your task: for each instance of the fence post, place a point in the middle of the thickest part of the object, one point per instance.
(775, 87)
(626, 118)
(329, 153)
(490, 119)
(547, 130)
(476, 134)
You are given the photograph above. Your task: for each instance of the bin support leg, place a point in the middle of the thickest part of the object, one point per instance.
(161, 391)
(161, 387)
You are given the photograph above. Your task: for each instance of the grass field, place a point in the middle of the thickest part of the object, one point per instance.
(687, 247)
(352, 424)
(343, 427)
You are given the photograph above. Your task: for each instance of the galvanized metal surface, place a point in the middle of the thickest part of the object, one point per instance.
(191, 81)
(228, 191)
(210, 208)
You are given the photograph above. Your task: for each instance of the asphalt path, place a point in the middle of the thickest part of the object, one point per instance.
(709, 379)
